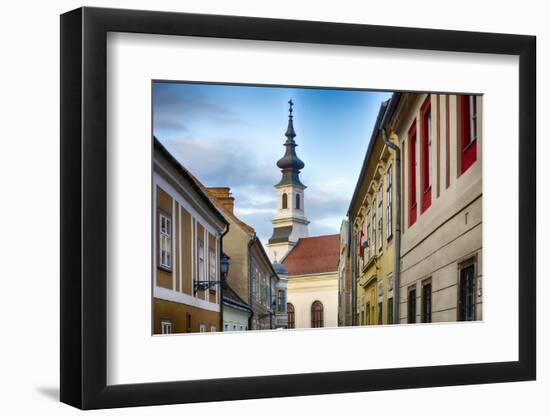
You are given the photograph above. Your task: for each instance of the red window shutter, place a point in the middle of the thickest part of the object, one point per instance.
(412, 174)
(469, 146)
(426, 187)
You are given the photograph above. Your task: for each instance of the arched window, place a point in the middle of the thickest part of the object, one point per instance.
(317, 314)
(298, 201)
(285, 200)
(290, 312)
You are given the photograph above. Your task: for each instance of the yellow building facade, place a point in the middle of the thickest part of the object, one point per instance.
(372, 225)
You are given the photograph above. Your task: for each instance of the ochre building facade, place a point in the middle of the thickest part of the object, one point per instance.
(187, 231)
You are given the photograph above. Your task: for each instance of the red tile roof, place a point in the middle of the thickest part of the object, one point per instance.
(313, 255)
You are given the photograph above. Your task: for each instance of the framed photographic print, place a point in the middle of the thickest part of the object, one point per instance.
(258, 208)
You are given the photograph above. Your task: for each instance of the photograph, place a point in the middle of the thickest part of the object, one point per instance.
(309, 181)
(301, 207)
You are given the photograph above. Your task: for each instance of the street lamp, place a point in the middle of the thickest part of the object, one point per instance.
(224, 266)
(205, 285)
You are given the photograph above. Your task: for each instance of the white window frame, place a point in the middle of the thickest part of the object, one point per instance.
(212, 328)
(430, 157)
(374, 226)
(368, 236)
(202, 328)
(380, 217)
(165, 326)
(212, 264)
(281, 301)
(200, 260)
(165, 240)
(473, 119)
(389, 199)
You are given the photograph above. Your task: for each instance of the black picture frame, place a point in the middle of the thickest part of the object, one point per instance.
(84, 207)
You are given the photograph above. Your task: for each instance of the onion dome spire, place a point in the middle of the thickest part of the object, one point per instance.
(290, 164)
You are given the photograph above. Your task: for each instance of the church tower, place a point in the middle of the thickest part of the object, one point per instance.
(290, 222)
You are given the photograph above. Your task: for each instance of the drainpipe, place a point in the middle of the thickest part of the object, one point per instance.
(397, 269)
(353, 278)
(225, 231)
(250, 301)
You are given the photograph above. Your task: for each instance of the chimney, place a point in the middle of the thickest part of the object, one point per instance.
(223, 197)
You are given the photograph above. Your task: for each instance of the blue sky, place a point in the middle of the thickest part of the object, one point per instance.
(233, 136)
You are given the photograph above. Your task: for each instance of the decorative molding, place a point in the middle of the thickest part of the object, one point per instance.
(181, 298)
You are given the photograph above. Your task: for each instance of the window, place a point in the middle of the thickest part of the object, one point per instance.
(200, 255)
(367, 318)
(317, 314)
(412, 174)
(226, 327)
(374, 227)
(202, 328)
(257, 282)
(165, 241)
(281, 301)
(380, 216)
(285, 200)
(189, 328)
(367, 237)
(298, 201)
(253, 285)
(426, 155)
(427, 302)
(212, 267)
(389, 199)
(212, 328)
(468, 124)
(165, 326)
(290, 312)
(411, 316)
(266, 299)
(262, 290)
(467, 294)
(390, 310)
(380, 307)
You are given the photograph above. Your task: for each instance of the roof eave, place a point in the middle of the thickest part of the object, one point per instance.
(384, 113)
(178, 166)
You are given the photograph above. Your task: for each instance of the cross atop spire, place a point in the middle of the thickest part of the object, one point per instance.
(290, 164)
